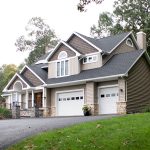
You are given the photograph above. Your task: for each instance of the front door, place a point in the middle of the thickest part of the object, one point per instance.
(38, 99)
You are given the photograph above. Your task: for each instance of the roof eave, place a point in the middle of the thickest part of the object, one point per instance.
(98, 79)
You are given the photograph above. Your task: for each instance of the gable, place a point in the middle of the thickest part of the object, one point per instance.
(80, 45)
(10, 87)
(31, 77)
(122, 48)
(61, 48)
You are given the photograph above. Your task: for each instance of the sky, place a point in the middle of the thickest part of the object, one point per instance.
(61, 15)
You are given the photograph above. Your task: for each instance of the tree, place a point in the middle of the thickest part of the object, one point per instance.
(39, 37)
(81, 5)
(6, 73)
(128, 15)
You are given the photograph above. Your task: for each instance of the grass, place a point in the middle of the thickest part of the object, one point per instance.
(4, 113)
(130, 132)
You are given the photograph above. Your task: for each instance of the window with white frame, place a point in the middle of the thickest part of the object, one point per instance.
(62, 64)
(90, 59)
(129, 42)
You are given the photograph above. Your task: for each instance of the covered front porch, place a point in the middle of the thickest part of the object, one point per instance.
(28, 99)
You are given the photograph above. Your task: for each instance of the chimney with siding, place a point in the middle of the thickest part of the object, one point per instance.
(141, 40)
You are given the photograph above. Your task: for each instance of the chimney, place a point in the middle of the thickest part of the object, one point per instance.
(141, 40)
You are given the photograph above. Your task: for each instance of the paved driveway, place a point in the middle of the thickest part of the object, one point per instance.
(14, 130)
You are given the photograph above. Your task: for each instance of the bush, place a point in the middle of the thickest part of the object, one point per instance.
(146, 109)
(5, 113)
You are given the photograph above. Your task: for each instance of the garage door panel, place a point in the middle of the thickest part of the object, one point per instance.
(108, 99)
(70, 103)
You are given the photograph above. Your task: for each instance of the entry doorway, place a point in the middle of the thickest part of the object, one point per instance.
(38, 99)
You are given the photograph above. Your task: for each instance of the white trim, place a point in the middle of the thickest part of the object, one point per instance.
(16, 74)
(66, 91)
(17, 82)
(86, 41)
(60, 61)
(32, 72)
(129, 39)
(77, 53)
(84, 80)
(134, 63)
(60, 55)
(107, 86)
(135, 41)
(119, 43)
(57, 46)
(41, 62)
(92, 61)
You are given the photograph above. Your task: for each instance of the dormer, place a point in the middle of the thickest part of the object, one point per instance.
(64, 61)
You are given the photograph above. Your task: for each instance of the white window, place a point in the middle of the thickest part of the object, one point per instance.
(62, 65)
(62, 55)
(90, 59)
(129, 42)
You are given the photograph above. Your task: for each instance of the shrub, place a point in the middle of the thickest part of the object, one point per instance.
(146, 109)
(86, 110)
(5, 113)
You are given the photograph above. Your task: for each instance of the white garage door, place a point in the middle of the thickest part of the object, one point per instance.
(107, 100)
(70, 103)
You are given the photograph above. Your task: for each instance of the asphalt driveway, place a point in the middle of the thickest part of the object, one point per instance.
(14, 130)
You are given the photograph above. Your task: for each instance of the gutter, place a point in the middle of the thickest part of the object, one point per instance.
(83, 81)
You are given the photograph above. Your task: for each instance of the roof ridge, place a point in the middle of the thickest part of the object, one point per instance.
(105, 36)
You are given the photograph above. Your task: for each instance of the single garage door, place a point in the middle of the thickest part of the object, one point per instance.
(70, 103)
(107, 100)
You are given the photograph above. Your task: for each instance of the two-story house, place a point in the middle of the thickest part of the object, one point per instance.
(111, 74)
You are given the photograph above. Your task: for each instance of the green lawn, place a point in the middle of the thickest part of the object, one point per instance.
(130, 132)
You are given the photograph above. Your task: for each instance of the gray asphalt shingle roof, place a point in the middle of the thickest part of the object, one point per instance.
(118, 64)
(39, 71)
(106, 44)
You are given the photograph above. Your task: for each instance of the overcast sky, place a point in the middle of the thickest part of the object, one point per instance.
(61, 15)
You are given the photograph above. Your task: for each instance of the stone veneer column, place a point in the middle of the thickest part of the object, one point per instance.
(91, 97)
(15, 112)
(121, 104)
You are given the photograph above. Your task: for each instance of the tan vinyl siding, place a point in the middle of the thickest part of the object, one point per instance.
(31, 77)
(52, 70)
(80, 45)
(62, 47)
(12, 84)
(74, 66)
(138, 86)
(107, 83)
(122, 48)
(93, 65)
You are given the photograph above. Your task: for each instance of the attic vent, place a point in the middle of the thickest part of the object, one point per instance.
(129, 42)
(62, 55)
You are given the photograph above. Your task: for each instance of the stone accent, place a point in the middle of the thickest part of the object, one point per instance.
(31, 112)
(94, 109)
(122, 90)
(121, 107)
(16, 112)
(46, 112)
(53, 111)
(90, 97)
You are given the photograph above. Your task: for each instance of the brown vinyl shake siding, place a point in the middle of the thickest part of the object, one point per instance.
(62, 48)
(138, 86)
(31, 77)
(12, 84)
(122, 48)
(81, 45)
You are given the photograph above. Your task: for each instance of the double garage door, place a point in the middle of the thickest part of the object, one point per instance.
(108, 98)
(70, 103)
